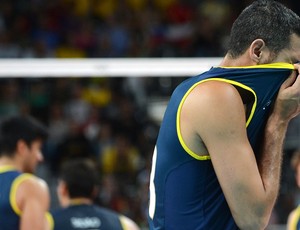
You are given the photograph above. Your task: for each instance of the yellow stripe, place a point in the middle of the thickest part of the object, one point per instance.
(13, 191)
(279, 65)
(185, 147)
(295, 219)
(6, 168)
(50, 220)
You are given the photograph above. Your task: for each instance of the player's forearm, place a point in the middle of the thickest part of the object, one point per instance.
(269, 165)
(286, 107)
(270, 160)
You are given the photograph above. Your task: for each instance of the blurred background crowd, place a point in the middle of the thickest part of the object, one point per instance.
(117, 28)
(107, 119)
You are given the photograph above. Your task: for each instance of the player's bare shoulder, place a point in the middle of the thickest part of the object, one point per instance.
(32, 182)
(209, 97)
(205, 104)
(31, 187)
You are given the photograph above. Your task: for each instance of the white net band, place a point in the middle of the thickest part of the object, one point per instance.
(108, 67)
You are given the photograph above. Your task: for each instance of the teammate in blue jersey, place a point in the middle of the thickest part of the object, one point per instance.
(217, 160)
(293, 222)
(24, 198)
(76, 191)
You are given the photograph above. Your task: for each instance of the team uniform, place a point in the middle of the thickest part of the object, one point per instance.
(10, 179)
(184, 189)
(9, 212)
(86, 217)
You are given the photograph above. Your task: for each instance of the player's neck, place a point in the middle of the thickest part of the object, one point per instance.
(243, 60)
(11, 162)
(80, 200)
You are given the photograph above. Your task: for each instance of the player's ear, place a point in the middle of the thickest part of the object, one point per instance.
(21, 147)
(257, 50)
(95, 192)
(62, 193)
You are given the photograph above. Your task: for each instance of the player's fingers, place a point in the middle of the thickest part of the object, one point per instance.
(290, 80)
(296, 84)
(297, 66)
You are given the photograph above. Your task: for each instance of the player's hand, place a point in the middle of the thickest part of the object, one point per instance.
(287, 105)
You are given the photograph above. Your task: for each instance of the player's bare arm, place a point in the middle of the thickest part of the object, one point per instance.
(222, 126)
(33, 201)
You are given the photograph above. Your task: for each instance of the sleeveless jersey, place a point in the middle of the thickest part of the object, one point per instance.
(9, 212)
(184, 190)
(85, 217)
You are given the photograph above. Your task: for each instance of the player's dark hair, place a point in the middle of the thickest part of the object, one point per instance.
(17, 128)
(80, 176)
(263, 19)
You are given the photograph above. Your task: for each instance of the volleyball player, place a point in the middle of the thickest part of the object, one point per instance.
(77, 189)
(217, 160)
(24, 198)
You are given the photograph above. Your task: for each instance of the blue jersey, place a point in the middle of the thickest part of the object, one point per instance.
(184, 189)
(9, 211)
(86, 217)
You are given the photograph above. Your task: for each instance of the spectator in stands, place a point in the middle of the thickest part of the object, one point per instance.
(74, 145)
(122, 159)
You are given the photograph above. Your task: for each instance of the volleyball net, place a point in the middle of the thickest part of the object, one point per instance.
(163, 68)
(108, 67)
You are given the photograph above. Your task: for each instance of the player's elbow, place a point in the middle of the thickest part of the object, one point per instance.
(252, 224)
(254, 221)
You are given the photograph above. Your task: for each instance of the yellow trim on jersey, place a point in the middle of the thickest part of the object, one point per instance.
(278, 65)
(79, 201)
(50, 220)
(6, 168)
(13, 191)
(185, 147)
(295, 219)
